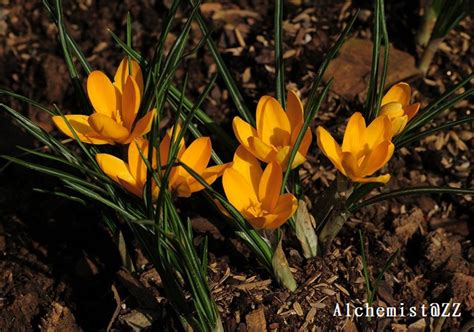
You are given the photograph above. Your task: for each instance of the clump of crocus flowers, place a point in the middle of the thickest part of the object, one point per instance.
(253, 191)
(116, 106)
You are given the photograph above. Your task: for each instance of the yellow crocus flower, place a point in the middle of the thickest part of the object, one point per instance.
(196, 157)
(256, 193)
(364, 149)
(115, 108)
(132, 176)
(276, 131)
(396, 105)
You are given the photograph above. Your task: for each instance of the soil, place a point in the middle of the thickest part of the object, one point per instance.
(59, 266)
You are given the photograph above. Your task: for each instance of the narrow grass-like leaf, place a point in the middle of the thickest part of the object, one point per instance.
(72, 70)
(224, 72)
(279, 64)
(412, 191)
(252, 238)
(417, 136)
(310, 116)
(385, 268)
(62, 195)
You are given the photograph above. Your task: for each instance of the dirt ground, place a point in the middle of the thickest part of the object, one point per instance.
(59, 269)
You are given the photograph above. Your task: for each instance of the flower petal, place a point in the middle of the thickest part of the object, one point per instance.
(355, 135)
(123, 71)
(294, 110)
(261, 150)
(143, 125)
(411, 110)
(115, 168)
(399, 93)
(378, 131)
(377, 158)
(398, 124)
(258, 222)
(381, 178)
(130, 102)
(136, 163)
(283, 155)
(197, 155)
(83, 130)
(248, 166)
(330, 148)
(243, 131)
(269, 186)
(273, 126)
(102, 93)
(191, 185)
(349, 162)
(305, 143)
(237, 190)
(107, 127)
(286, 207)
(134, 188)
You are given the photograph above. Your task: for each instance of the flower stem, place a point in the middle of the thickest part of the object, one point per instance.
(428, 54)
(429, 20)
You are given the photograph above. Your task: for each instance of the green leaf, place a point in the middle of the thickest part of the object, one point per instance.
(422, 134)
(279, 64)
(412, 191)
(309, 117)
(224, 72)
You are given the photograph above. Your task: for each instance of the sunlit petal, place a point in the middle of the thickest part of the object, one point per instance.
(400, 93)
(381, 179)
(101, 93)
(377, 158)
(305, 143)
(286, 207)
(330, 148)
(198, 154)
(238, 191)
(411, 110)
(283, 156)
(114, 168)
(294, 110)
(123, 71)
(273, 126)
(269, 186)
(350, 165)
(81, 126)
(130, 102)
(243, 131)
(378, 131)
(355, 135)
(143, 125)
(136, 163)
(107, 127)
(248, 166)
(261, 150)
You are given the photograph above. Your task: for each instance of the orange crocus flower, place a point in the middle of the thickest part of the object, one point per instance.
(115, 108)
(132, 176)
(396, 105)
(255, 193)
(364, 149)
(276, 131)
